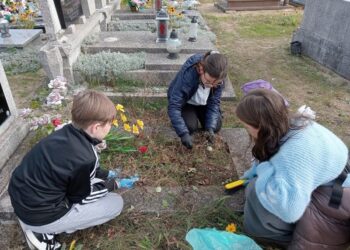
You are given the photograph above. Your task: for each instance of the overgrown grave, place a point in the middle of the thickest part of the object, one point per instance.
(126, 61)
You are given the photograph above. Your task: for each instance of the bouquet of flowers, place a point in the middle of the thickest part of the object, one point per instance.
(135, 5)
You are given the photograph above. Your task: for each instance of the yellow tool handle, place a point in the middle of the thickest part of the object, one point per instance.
(234, 184)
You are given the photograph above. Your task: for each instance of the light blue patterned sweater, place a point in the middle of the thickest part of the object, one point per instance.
(309, 158)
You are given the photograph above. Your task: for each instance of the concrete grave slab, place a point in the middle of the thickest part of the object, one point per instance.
(239, 145)
(12, 129)
(20, 38)
(136, 41)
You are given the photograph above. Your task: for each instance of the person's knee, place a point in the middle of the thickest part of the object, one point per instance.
(115, 205)
(218, 126)
(192, 127)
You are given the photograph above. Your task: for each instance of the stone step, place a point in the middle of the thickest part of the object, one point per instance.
(157, 82)
(132, 25)
(128, 15)
(147, 199)
(137, 41)
(160, 61)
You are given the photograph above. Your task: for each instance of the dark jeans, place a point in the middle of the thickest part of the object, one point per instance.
(192, 114)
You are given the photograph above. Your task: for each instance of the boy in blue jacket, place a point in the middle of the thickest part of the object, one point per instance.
(194, 95)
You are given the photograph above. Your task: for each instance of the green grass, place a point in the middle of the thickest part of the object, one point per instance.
(166, 231)
(265, 26)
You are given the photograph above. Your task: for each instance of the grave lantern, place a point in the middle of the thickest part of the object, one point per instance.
(193, 30)
(158, 5)
(4, 27)
(173, 45)
(162, 20)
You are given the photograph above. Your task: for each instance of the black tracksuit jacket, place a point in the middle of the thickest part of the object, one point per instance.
(54, 175)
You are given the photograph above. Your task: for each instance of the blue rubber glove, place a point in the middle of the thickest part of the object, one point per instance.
(127, 182)
(112, 174)
(250, 173)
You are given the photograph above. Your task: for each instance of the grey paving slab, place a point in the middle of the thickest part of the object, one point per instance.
(20, 38)
(136, 41)
(239, 145)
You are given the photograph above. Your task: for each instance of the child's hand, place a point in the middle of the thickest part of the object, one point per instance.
(127, 182)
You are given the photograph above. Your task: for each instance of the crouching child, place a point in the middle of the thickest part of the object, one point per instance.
(59, 185)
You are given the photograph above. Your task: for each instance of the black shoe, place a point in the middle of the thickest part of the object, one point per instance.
(40, 241)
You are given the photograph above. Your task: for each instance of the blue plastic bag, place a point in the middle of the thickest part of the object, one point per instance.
(212, 239)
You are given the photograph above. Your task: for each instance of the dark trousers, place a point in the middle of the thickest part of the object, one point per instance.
(192, 114)
(262, 225)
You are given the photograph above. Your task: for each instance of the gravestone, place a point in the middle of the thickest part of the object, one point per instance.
(225, 5)
(325, 34)
(50, 17)
(72, 10)
(12, 128)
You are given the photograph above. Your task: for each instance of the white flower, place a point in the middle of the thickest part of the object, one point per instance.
(43, 120)
(24, 112)
(307, 112)
(58, 83)
(54, 98)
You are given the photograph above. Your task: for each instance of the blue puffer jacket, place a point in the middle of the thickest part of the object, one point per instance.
(182, 88)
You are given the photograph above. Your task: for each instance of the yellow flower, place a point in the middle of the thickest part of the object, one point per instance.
(120, 107)
(180, 15)
(171, 10)
(140, 123)
(123, 117)
(135, 129)
(231, 228)
(127, 127)
(115, 122)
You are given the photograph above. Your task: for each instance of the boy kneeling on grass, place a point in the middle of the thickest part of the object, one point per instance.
(59, 186)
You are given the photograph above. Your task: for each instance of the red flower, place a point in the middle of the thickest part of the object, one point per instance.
(56, 122)
(143, 149)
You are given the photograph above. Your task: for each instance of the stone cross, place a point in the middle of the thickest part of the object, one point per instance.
(51, 20)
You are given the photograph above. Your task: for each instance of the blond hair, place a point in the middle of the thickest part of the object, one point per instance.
(91, 106)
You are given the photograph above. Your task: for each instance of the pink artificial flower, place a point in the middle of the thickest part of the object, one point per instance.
(143, 149)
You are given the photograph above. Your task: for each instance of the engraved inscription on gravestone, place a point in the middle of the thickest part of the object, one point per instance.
(71, 10)
(4, 108)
